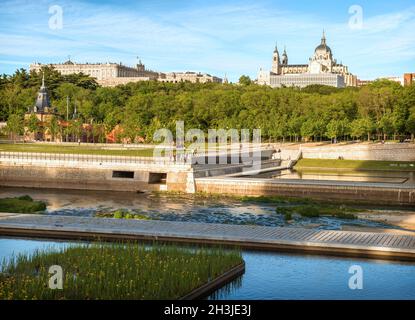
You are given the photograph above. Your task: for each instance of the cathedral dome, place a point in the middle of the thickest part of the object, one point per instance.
(323, 48)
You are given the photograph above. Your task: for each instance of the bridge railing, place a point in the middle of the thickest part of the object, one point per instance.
(88, 158)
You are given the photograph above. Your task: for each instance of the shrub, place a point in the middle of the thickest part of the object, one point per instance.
(119, 214)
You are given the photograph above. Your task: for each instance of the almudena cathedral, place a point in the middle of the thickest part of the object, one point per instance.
(322, 69)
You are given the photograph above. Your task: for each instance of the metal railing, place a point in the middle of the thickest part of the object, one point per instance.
(87, 158)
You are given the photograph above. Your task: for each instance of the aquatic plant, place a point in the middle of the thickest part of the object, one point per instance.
(114, 271)
(315, 211)
(122, 214)
(275, 199)
(22, 204)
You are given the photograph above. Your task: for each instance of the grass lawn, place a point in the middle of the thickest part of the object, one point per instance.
(24, 204)
(327, 164)
(114, 271)
(62, 149)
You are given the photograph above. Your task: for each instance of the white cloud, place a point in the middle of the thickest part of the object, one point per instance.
(236, 39)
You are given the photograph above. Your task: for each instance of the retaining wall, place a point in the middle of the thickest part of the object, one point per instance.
(345, 192)
(87, 178)
(379, 152)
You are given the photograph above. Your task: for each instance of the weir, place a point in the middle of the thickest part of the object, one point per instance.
(142, 174)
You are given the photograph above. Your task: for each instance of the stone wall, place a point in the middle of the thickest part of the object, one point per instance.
(86, 178)
(342, 192)
(358, 151)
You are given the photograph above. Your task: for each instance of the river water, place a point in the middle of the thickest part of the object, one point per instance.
(186, 208)
(268, 275)
(289, 276)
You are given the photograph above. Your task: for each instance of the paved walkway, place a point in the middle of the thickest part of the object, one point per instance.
(361, 244)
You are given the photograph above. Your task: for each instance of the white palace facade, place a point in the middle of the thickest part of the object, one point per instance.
(322, 69)
(113, 74)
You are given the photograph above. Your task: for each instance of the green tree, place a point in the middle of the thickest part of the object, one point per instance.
(245, 80)
(33, 124)
(410, 125)
(53, 127)
(385, 125)
(361, 127)
(14, 126)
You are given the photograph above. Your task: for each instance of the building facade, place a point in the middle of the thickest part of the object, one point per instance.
(322, 69)
(194, 77)
(106, 74)
(114, 74)
(409, 79)
(43, 113)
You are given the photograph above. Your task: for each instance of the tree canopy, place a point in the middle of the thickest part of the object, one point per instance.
(380, 110)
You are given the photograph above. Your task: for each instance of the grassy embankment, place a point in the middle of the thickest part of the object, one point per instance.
(24, 204)
(352, 165)
(86, 150)
(114, 271)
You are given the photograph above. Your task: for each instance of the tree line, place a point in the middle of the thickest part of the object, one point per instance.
(379, 111)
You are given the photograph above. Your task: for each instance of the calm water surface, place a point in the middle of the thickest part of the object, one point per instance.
(286, 276)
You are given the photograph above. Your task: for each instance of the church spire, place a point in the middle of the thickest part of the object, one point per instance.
(276, 47)
(323, 38)
(285, 57)
(276, 61)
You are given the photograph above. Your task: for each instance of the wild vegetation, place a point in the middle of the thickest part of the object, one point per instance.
(317, 210)
(65, 149)
(330, 164)
(23, 204)
(382, 110)
(114, 271)
(123, 214)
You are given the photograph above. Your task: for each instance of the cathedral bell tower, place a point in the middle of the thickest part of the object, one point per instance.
(285, 58)
(276, 61)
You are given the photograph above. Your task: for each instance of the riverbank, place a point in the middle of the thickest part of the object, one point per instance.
(74, 149)
(353, 165)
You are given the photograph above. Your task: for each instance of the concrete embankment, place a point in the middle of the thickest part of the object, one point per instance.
(324, 190)
(92, 173)
(351, 151)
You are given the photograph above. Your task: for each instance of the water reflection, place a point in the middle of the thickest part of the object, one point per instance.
(289, 276)
(271, 276)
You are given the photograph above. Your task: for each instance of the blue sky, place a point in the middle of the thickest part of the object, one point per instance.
(218, 37)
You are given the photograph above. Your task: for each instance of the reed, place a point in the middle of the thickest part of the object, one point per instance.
(114, 271)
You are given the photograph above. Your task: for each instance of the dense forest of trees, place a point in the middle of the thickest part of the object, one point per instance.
(382, 110)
